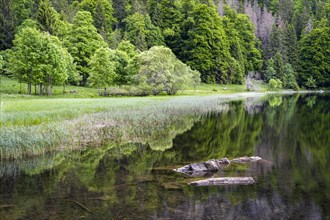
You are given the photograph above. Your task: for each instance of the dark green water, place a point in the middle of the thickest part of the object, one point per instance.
(132, 181)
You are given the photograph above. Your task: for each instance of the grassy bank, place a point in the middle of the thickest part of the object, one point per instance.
(37, 126)
(12, 89)
(34, 125)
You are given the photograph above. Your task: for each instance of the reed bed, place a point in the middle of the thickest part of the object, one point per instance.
(91, 123)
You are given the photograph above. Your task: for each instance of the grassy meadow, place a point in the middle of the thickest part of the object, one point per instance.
(35, 125)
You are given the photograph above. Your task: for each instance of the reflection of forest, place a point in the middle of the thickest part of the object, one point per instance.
(134, 180)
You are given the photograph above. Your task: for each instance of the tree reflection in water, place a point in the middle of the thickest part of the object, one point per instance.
(136, 181)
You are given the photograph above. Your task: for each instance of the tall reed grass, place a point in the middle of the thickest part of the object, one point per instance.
(75, 124)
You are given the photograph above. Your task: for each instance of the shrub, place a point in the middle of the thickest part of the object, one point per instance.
(275, 84)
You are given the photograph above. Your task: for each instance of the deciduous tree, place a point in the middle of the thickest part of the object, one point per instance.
(38, 58)
(103, 68)
(159, 70)
(82, 42)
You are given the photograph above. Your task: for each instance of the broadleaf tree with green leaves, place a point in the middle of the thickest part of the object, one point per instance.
(82, 41)
(39, 59)
(103, 68)
(160, 71)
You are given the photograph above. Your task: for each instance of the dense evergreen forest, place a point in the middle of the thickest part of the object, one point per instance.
(161, 45)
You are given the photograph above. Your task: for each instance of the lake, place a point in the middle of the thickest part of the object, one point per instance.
(291, 133)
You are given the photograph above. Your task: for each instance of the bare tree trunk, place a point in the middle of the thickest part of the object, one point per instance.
(29, 88)
(50, 92)
(40, 89)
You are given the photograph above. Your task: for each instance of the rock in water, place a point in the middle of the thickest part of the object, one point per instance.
(208, 166)
(224, 181)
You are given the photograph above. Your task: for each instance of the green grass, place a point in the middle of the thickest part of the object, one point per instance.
(35, 125)
(11, 88)
(38, 126)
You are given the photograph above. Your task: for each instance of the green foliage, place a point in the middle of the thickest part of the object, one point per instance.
(275, 84)
(39, 59)
(159, 70)
(275, 42)
(102, 13)
(243, 44)
(277, 69)
(135, 31)
(141, 32)
(314, 58)
(206, 47)
(1, 62)
(49, 19)
(290, 81)
(7, 24)
(270, 72)
(223, 49)
(154, 35)
(124, 55)
(103, 67)
(82, 41)
(291, 45)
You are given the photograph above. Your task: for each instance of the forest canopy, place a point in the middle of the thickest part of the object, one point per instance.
(102, 43)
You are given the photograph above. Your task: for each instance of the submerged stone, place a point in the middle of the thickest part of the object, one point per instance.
(203, 167)
(212, 166)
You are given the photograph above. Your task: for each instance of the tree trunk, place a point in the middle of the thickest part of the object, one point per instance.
(40, 89)
(49, 92)
(29, 88)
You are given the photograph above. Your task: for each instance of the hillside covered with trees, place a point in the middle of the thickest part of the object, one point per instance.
(163, 45)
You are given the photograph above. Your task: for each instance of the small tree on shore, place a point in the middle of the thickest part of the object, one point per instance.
(103, 68)
(39, 59)
(159, 70)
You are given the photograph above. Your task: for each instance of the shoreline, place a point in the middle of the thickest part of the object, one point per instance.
(125, 121)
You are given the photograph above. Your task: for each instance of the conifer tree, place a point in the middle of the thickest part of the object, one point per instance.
(290, 45)
(141, 32)
(275, 42)
(49, 19)
(136, 31)
(206, 47)
(102, 13)
(314, 58)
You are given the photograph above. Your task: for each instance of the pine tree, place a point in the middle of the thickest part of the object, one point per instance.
(290, 45)
(102, 13)
(275, 42)
(314, 58)
(49, 19)
(7, 24)
(136, 31)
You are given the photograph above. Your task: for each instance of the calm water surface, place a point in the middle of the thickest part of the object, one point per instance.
(136, 181)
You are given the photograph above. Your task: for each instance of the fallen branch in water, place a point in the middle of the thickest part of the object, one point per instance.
(81, 206)
(245, 159)
(6, 206)
(223, 181)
